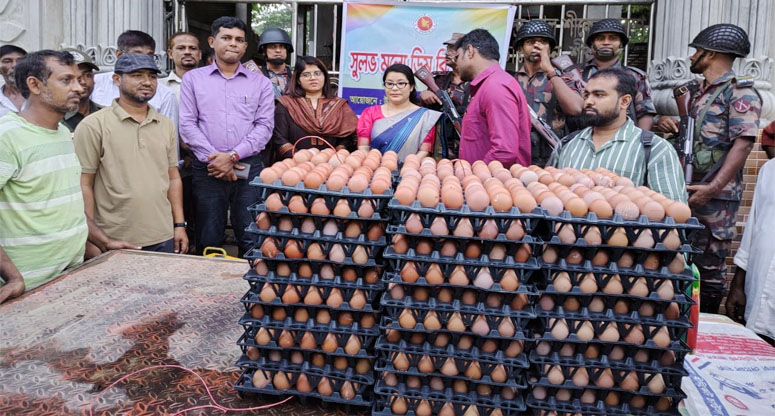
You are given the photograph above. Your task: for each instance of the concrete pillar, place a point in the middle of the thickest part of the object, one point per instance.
(677, 22)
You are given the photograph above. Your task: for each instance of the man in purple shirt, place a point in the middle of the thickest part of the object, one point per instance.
(496, 125)
(226, 118)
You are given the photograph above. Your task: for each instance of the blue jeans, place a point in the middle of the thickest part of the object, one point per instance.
(163, 247)
(214, 198)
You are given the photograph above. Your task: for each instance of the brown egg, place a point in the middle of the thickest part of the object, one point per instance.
(449, 368)
(614, 286)
(399, 406)
(506, 328)
(366, 210)
(565, 233)
(574, 256)
(319, 207)
(635, 336)
(353, 345)
(586, 332)
(407, 320)
(610, 334)
(455, 323)
(581, 378)
(601, 258)
(324, 387)
(313, 297)
(657, 384)
(618, 238)
(672, 241)
(577, 207)
(552, 205)
(601, 208)
(639, 288)
(644, 240)
(560, 329)
(360, 256)
(651, 262)
(480, 326)
(605, 379)
(561, 282)
(630, 382)
(661, 338)
(555, 375)
(679, 211)
(653, 210)
(342, 208)
(280, 381)
(588, 284)
(550, 254)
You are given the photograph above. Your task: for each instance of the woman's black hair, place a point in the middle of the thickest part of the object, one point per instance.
(295, 89)
(403, 69)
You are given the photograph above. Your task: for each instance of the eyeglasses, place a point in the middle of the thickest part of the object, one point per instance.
(307, 75)
(401, 85)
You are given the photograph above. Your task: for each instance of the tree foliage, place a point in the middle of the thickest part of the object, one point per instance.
(271, 15)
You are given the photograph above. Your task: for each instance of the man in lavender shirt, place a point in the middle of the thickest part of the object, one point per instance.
(226, 118)
(496, 125)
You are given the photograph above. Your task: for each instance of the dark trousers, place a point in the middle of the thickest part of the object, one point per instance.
(163, 247)
(215, 198)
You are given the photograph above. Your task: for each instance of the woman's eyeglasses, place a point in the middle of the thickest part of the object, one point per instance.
(316, 74)
(401, 85)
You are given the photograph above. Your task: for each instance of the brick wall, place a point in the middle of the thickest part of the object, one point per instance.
(756, 159)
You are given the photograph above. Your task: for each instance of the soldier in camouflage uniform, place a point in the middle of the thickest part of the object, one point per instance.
(550, 92)
(726, 110)
(458, 90)
(607, 39)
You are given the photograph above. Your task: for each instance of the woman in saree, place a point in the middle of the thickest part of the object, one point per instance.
(310, 109)
(400, 124)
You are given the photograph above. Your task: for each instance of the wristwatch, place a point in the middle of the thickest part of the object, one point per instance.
(234, 156)
(183, 224)
(557, 73)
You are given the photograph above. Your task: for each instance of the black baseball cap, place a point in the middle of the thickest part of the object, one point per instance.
(131, 62)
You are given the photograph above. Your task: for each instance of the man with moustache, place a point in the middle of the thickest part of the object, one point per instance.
(86, 68)
(457, 89)
(185, 54)
(607, 39)
(43, 229)
(497, 121)
(549, 92)
(129, 163)
(226, 118)
(11, 99)
(726, 111)
(276, 46)
(614, 142)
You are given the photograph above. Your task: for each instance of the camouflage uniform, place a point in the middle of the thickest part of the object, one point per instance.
(733, 114)
(460, 96)
(539, 94)
(643, 106)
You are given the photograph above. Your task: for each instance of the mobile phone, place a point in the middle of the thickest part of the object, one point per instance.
(242, 173)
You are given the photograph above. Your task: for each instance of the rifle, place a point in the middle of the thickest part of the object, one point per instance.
(685, 141)
(425, 76)
(543, 129)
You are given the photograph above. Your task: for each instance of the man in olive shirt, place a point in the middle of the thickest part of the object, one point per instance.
(86, 106)
(128, 154)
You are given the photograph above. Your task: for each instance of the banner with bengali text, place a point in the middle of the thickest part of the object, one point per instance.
(377, 35)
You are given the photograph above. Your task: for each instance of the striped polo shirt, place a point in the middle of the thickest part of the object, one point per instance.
(42, 222)
(624, 155)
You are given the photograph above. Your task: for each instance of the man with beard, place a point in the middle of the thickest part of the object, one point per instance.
(226, 118)
(551, 93)
(42, 223)
(275, 45)
(726, 111)
(129, 163)
(185, 54)
(614, 142)
(497, 121)
(11, 99)
(607, 39)
(457, 89)
(86, 106)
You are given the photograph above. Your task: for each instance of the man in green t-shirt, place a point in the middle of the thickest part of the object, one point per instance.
(43, 227)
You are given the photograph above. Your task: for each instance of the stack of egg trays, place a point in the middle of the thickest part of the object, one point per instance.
(651, 403)
(498, 401)
(275, 356)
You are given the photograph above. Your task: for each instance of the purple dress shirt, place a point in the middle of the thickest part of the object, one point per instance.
(496, 125)
(219, 114)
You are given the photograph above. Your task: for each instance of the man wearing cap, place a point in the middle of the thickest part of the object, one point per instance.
(128, 153)
(11, 99)
(457, 89)
(550, 92)
(275, 45)
(86, 106)
(726, 111)
(607, 39)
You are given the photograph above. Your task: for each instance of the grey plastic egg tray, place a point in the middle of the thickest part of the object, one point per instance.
(574, 406)
(297, 234)
(306, 367)
(302, 289)
(298, 217)
(342, 335)
(453, 351)
(485, 405)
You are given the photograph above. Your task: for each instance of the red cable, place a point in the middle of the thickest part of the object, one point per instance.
(214, 404)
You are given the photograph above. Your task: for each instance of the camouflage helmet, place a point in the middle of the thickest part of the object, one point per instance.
(724, 38)
(536, 29)
(607, 26)
(270, 36)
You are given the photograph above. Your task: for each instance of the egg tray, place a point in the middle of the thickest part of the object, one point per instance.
(672, 382)
(391, 278)
(448, 384)
(289, 311)
(389, 323)
(628, 363)
(515, 380)
(306, 367)
(524, 293)
(608, 314)
(247, 339)
(363, 393)
(657, 248)
(575, 406)
(653, 283)
(394, 307)
(385, 395)
(255, 257)
(370, 295)
(503, 221)
(289, 324)
(511, 249)
(398, 260)
(523, 273)
(451, 351)
(371, 248)
(541, 331)
(318, 236)
(298, 217)
(690, 226)
(315, 280)
(519, 319)
(354, 199)
(615, 253)
(476, 350)
(658, 235)
(612, 268)
(255, 254)
(341, 334)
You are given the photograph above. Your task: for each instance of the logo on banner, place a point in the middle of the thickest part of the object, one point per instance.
(425, 24)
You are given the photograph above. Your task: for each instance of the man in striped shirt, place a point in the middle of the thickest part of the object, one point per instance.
(614, 142)
(43, 227)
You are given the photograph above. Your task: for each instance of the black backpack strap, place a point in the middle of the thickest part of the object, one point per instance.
(646, 139)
